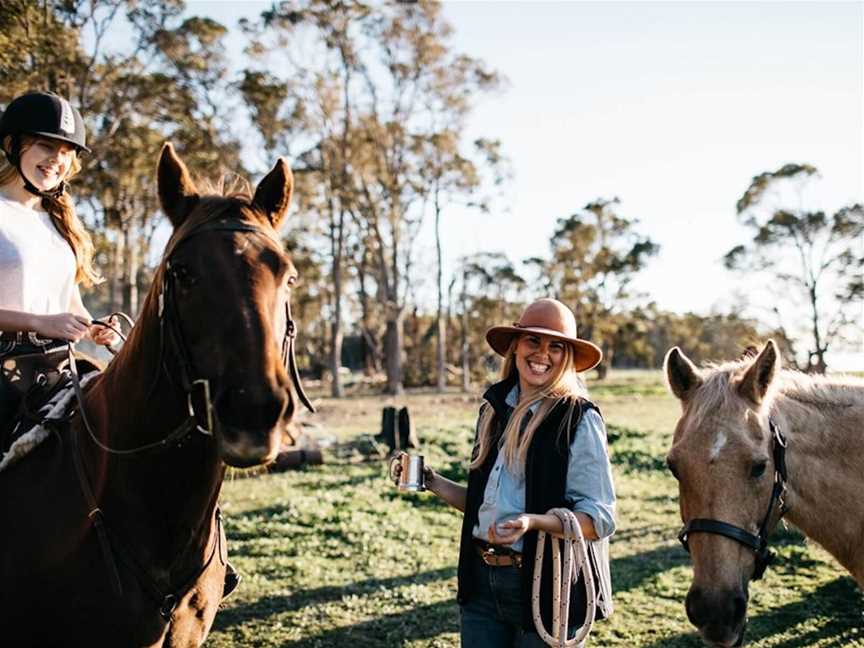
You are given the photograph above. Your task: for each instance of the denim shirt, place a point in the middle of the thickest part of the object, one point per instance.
(589, 486)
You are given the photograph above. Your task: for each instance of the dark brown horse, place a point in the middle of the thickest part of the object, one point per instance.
(155, 452)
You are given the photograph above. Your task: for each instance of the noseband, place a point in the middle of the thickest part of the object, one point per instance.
(169, 329)
(756, 543)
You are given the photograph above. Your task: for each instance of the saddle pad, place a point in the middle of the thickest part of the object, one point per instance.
(53, 409)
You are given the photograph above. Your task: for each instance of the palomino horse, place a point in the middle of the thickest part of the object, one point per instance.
(126, 548)
(755, 443)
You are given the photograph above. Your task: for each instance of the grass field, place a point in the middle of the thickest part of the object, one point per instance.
(333, 555)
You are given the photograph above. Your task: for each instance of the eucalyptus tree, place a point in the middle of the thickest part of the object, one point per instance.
(595, 254)
(491, 291)
(364, 93)
(812, 258)
(311, 106)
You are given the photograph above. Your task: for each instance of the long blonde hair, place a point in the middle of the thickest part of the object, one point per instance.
(565, 384)
(62, 213)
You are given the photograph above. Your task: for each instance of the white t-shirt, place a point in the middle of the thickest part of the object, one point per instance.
(37, 265)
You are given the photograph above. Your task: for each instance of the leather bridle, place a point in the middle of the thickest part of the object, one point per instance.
(756, 543)
(171, 331)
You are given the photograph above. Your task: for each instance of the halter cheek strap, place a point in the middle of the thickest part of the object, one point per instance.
(756, 543)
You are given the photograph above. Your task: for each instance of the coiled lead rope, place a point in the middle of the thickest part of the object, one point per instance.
(576, 561)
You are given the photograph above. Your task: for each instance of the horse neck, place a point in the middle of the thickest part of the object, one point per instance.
(168, 493)
(822, 423)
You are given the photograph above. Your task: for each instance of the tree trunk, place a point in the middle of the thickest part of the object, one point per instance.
(337, 233)
(130, 272)
(393, 352)
(819, 366)
(441, 331)
(466, 350)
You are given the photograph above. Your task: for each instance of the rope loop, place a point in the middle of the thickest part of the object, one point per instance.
(576, 560)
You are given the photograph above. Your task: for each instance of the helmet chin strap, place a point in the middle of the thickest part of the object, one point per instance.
(14, 158)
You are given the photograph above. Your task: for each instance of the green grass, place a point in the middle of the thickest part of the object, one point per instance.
(334, 556)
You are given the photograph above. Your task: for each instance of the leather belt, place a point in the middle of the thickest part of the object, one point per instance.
(495, 556)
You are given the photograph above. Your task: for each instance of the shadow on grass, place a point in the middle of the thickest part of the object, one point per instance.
(265, 606)
(422, 622)
(839, 602)
(631, 572)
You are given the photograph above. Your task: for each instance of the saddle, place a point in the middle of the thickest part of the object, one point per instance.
(39, 382)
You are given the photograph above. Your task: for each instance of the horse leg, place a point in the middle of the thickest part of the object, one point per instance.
(195, 612)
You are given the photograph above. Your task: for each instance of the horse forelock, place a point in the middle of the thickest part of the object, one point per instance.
(717, 393)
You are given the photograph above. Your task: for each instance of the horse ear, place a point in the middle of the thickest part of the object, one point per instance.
(177, 192)
(759, 375)
(681, 374)
(273, 194)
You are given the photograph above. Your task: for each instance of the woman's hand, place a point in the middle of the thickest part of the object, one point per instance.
(396, 470)
(61, 326)
(509, 531)
(102, 334)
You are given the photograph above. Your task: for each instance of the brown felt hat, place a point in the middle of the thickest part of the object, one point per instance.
(547, 317)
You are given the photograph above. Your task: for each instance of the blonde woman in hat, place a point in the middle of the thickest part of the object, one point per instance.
(45, 252)
(540, 444)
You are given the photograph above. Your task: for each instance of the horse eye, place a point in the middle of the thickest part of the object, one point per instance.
(671, 467)
(291, 280)
(758, 469)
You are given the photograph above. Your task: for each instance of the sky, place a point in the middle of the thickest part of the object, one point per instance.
(670, 106)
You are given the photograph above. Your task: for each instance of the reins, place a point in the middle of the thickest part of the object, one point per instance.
(576, 561)
(758, 543)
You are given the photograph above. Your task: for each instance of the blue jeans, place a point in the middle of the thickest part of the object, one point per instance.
(492, 617)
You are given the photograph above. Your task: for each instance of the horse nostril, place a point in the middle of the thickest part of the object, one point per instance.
(739, 607)
(694, 604)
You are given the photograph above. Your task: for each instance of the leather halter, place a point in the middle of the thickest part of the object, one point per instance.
(756, 543)
(169, 329)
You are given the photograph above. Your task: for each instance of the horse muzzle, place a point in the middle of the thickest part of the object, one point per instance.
(249, 425)
(720, 615)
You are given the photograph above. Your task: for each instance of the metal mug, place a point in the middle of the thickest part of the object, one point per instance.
(412, 477)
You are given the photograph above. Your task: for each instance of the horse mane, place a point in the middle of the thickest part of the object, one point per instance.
(822, 391)
(717, 391)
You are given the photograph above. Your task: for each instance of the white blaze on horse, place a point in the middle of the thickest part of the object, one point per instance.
(753, 444)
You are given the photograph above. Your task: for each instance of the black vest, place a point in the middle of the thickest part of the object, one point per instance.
(545, 488)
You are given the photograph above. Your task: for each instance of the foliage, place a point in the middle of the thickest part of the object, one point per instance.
(816, 259)
(595, 253)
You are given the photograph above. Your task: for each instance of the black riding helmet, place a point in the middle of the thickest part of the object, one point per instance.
(44, 114)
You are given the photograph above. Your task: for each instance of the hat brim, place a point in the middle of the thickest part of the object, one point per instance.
(587, 354)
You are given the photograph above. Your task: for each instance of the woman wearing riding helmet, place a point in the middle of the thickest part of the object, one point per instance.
(540, 444)
(45, 252)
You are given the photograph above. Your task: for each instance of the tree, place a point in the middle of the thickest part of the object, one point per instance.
(812, 258)
(596, 253)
